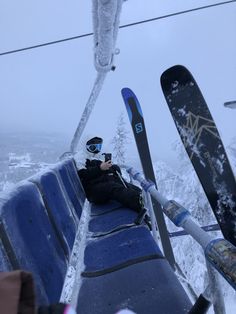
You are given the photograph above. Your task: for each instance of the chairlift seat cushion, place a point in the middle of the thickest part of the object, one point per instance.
(69, 187)
(102, 209)
(112, 220)
(73, 173)
(58, 208)
(149, 287)
(31, 234)
(118, 250)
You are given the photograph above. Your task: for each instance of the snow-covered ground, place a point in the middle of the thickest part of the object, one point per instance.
(23, 154)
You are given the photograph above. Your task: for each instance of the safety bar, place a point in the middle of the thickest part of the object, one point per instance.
(219, 252)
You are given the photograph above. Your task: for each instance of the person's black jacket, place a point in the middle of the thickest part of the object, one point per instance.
(93, 174)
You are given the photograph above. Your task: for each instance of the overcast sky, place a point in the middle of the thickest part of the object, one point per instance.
(46, 89)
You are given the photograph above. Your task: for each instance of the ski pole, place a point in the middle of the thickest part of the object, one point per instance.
(121, 179)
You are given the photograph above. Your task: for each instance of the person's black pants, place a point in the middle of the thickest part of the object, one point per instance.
(112, 190)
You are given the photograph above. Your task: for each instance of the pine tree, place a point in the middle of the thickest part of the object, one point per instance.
(120, 140)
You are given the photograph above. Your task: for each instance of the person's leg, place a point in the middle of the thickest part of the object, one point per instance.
(103, 192)
(129, 197)
(142, 216)
(98, 193)
(134, 187)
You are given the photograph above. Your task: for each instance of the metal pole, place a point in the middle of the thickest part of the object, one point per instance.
(216, 292)
(153, 218)
(219, 252)
(87, 110)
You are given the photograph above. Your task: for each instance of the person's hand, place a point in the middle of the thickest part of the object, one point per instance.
(106, 165)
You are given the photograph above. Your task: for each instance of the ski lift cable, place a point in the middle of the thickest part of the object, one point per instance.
(121, 26)
(177, 13)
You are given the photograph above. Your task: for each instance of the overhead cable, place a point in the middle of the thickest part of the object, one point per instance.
(177, 13)
(122, 26)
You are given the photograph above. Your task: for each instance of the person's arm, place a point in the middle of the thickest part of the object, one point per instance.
(90, 173)
(116, 168)
(95, 171)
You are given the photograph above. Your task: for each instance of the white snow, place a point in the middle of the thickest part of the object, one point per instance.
(182, 111)
(73, 279)
(189, 135)
(106, 19)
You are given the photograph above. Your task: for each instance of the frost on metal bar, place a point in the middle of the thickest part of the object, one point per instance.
(106, 19)
(87, 110)
(219, 252)
(73, 280)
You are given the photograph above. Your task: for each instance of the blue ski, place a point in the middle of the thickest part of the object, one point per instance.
(137, 122)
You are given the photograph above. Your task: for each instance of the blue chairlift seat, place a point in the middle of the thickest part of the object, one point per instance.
(148, 287)
(126, 269)
(123, 266)
(112, 221)
(75, 195)
(104, 208)
(72, 170)
(59, 210)
(5, 264)
(31, 235)
(103, 255)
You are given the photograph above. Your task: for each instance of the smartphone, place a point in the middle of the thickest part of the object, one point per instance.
(107, 157)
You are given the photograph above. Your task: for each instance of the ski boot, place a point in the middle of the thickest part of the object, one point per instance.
(140, 217)
(148, 222)
(142, 211)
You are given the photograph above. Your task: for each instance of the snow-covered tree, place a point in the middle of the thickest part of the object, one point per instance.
(119, 141)
(182, 185)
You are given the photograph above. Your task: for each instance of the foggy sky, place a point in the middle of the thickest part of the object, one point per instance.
(46, 89)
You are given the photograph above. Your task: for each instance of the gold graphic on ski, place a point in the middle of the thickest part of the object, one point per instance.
(193, 129)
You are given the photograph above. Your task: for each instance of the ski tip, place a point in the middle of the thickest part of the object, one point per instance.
(125, 88)
(126, 91)
(175, 73)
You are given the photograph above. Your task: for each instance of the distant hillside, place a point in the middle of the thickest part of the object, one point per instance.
(23, 154)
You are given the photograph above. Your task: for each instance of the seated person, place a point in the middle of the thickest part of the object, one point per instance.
(103, 181)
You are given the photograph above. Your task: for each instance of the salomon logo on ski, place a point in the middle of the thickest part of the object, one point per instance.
(138, 128)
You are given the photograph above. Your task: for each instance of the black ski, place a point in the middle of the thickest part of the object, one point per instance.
(203, 145)
(137, 122)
